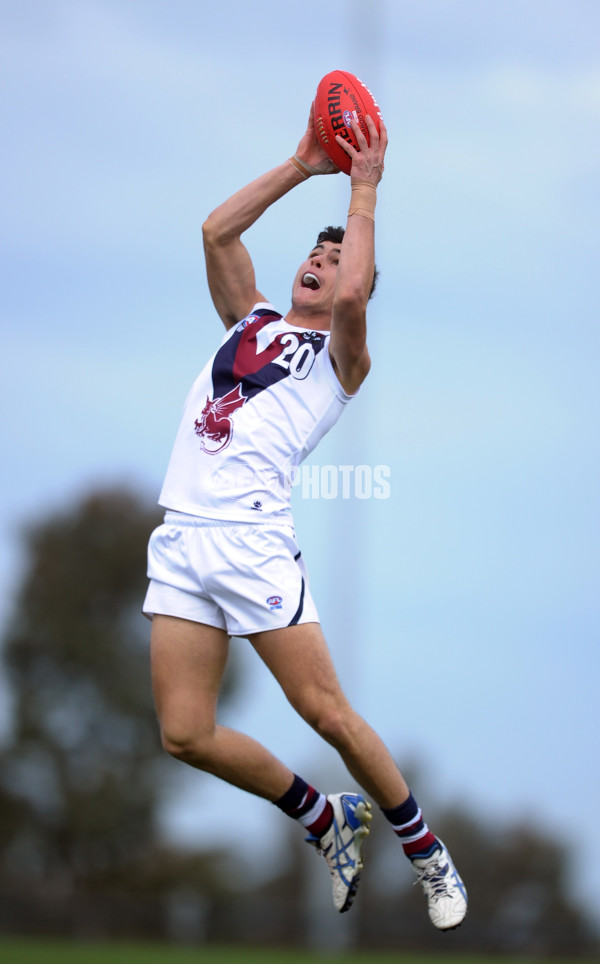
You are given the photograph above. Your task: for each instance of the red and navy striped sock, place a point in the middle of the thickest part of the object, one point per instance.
(415, 836)
(305, 804)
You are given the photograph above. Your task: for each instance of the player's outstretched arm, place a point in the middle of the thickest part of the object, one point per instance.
(348, 344)
(229, 267)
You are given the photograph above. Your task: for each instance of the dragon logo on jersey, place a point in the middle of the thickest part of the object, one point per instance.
(215, 426)
(250, 361)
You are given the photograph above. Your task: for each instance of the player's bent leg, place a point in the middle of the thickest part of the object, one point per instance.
(299, 659)
(188, 661)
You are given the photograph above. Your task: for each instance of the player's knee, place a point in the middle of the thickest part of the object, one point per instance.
(188, 746)
(332, 721)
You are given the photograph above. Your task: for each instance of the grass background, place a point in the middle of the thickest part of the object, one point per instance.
(71, 952)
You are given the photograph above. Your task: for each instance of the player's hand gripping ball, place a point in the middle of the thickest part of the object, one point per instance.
(341, 97)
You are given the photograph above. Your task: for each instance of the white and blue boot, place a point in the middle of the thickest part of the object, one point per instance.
(341, 845)
(445, 892)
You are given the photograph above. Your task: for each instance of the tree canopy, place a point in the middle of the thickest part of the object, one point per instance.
(80, 774)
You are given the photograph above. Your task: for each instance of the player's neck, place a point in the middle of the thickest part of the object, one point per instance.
(305, 318)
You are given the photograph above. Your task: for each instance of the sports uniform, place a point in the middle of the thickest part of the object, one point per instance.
(226, 560)
(226, 554)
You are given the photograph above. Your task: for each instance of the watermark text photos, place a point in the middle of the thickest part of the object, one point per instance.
(342, 481)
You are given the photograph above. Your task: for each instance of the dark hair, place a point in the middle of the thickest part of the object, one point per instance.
(336, 236)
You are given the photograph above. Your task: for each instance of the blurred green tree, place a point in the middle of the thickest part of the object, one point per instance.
(80, 777)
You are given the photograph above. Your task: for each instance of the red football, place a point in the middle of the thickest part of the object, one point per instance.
(340, 98)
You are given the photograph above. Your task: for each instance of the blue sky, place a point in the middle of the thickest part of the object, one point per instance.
(463, 611)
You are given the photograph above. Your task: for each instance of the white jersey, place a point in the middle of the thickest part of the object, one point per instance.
(259, 407)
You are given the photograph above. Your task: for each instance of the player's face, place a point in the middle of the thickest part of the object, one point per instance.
(314, 284)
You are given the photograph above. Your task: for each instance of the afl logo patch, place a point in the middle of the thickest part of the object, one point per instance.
(247, 321)
(349, 116)
(274, 602)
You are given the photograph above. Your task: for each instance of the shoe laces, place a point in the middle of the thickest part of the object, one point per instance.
(435, 879)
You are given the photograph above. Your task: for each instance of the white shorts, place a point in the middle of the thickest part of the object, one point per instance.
(239, 577)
